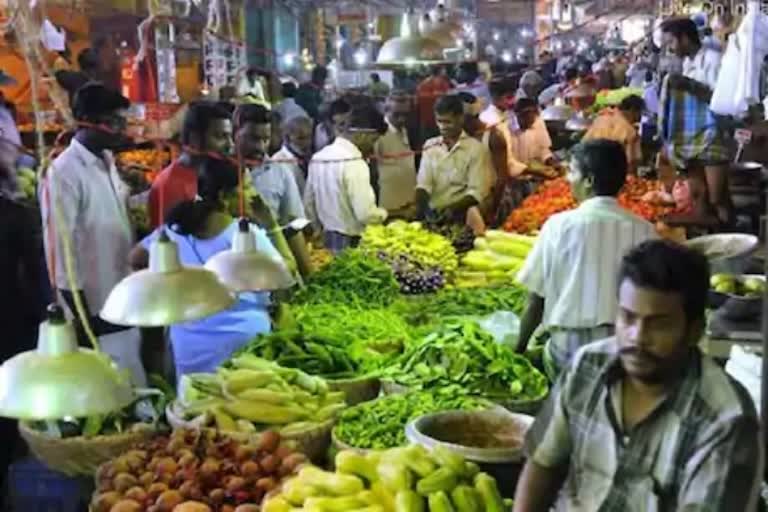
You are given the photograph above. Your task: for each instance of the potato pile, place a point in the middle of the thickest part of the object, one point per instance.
(194, 471)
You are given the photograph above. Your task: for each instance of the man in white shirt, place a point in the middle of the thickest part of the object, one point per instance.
(531, 143)
(297, 149)
(396, 161)
(339, 197)
(571, 272)
(455, 174)
(274, 181)
(288, 108)
(558, 90)
(88, 204)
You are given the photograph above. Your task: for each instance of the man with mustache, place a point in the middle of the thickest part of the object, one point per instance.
(643, 421)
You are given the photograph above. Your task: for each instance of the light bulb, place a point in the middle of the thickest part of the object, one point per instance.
(506, 56)
(459, 42)
(496, 36)
(361, 57)
(289, 59)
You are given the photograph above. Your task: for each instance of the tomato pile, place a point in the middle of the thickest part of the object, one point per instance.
(555, 196)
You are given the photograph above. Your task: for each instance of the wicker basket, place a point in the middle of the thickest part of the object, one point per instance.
(312, 441)
(358, 390)
(390, 387)
(80, 455)
(340, 445)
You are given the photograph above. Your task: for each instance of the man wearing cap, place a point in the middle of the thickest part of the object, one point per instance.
(85, 202)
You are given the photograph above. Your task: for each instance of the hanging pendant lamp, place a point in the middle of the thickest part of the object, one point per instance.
(166, 293)
(244, 268)
(58, 379)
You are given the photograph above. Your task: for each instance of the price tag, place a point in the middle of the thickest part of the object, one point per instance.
(742, 136)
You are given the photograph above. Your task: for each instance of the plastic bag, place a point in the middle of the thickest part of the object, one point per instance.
(504, 326)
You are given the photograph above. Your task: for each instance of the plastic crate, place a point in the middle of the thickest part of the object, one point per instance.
(32, 487)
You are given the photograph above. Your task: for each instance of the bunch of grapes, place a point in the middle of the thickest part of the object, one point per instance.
(413, 278)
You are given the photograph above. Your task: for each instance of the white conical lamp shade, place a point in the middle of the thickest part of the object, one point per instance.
(243, 268)
(166, 293)
(59, 379)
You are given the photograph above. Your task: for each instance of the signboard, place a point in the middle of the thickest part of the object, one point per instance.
(506, 11)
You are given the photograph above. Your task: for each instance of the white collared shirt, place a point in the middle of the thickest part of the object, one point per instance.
(575, 262)
(397, 176)
(449, 174)
(338, 196)
(276, 184)
(533, 144)
(92, 201)
(289, 109)
(287, 159)
(703, 67)
(89, 203)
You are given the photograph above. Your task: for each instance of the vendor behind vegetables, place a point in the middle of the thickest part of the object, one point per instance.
(643, 421)
(570, 271)
(455, 175)
(531, 143)
(203, 228)
(619, 125)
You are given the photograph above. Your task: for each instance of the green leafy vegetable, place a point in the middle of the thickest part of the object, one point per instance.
(381, 423)
(463, 354)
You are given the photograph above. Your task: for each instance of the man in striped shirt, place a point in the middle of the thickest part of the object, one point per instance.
(644, 422)
(570, 273)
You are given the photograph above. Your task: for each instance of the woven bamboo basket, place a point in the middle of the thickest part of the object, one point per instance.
(340, 445)
(81, 455)
(312, 441)
(362, 389)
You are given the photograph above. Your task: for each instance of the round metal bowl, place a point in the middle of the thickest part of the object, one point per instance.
(738, 307)
(728, 253)
(751, 167)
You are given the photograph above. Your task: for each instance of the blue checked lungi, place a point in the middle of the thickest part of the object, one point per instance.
(690, 130)
(336, 242)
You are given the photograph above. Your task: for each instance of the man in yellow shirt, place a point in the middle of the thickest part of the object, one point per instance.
(619, 125)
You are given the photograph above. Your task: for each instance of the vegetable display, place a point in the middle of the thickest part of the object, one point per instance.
(612, 97)
(412, 240)
(495, 260)
(381, 423)
(254, 394)
(460, 302)
(463, 354)
(194, 471)
(313, 354)
(555, 196)
(352, 278)
(408, 479)
(414, 278)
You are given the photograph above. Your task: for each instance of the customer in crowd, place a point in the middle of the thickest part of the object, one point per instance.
(455, 173)
(334, 120)
(469, 79)
(643, 421)
(568, 80)
(207, 128)
(90, 71)
(203, 228)
(339, 197)
(296, 149)
(531, 85)
(288, 108)
(619, 125)
(23, 294)
(591, 239)
(310, 94)
(396, 159)
(378, 89)
(530, 142)
(87, 203)
(427, 94)
(274, 181)
(502, 92)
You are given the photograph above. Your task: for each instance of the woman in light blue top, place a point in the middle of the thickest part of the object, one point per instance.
(202, 229)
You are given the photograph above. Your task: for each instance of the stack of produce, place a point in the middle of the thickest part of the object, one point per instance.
(412, 240)
(463, 354)
(27, 182)
(352, 278)
(381, 423)
(414, 278)
(147, 159)
(401, 479)
(555, 196)
(552, 196)
(319, 256)
(613, 97)
(374, 337)
(194, 471)
(461, 237)
(310, 353)
(495, 260)
(254, 394)
(461, 302)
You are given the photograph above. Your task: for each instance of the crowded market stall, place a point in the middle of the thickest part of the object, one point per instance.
(353, 292)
